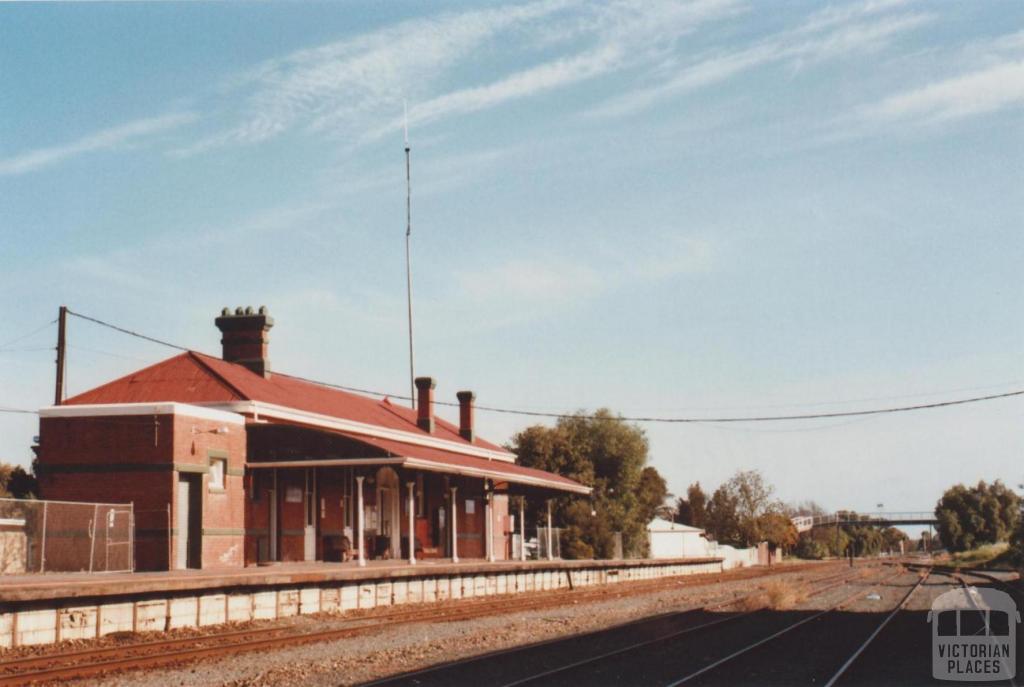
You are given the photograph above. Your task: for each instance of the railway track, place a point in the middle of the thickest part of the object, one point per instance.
(90, 662)
(832, 646)
(564, 672)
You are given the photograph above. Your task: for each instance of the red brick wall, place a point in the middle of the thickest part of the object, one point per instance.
(223, 511)
(92, 449)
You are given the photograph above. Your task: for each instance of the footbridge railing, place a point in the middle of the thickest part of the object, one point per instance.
(803, 523)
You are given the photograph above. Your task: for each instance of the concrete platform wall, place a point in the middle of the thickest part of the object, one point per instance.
(49, 625)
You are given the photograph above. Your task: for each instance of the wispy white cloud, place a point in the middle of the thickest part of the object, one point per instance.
(835, 15)
(345, 89)
(106, 139)
(626, 34)
(825, 35)
(340, 87)
(545, 77)
(983, 91)
(989, 78)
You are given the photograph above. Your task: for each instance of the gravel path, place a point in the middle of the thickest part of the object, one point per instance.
(409, 647)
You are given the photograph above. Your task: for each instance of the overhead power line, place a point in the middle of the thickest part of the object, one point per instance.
(127, 331)
(775, 418)
(661, 420)
(16, 339)
(19, 410)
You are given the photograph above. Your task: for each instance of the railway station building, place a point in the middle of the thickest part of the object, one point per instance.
(230, 464)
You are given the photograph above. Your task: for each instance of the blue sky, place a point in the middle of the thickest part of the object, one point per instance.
(695, 208)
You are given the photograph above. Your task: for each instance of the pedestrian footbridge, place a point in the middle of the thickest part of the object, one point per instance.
(804, 523)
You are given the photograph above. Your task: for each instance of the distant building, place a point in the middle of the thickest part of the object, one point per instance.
(229, 464)
(673, 540)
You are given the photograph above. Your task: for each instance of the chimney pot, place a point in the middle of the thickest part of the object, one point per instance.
(244, 338)
(425, 403)
(466, 399)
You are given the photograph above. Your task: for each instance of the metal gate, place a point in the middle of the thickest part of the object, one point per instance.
(65, 536)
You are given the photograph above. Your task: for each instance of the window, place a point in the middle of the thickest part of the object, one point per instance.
(218, 466)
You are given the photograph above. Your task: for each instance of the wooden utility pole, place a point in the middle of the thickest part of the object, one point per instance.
(58, 396)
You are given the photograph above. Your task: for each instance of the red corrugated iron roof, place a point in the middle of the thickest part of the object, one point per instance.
(197, 378)
(454, 462)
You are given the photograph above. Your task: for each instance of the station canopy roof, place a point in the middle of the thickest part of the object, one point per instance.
(199, 379)
(417, 457)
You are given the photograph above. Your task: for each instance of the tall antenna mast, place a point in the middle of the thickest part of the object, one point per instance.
(408, 260)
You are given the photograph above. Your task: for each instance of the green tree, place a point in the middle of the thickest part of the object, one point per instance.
(692, 510)
(609, 455)
(778, 530)
(969, 517)
(683, 512)
(821, 542)
(1017, 545)
(17, 482)
(652, 494)
(893, 537)
(722, 520)
(736, 513)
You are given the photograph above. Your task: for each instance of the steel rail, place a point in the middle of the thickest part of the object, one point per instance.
(156, 654)
(681, 612)
(899, 607)
(963, 583)
(774, 635)
(672, 635)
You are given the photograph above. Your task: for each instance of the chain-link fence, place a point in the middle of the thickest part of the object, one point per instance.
(62, 536)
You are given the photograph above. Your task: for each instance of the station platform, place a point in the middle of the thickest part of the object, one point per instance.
(68, 586)
(49, 608)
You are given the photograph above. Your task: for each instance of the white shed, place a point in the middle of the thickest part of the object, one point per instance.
(672, 540)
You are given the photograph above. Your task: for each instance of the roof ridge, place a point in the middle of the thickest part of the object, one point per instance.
(198, 357)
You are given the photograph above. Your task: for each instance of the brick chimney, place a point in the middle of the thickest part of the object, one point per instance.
(244, 337)
(466, 399)
(425, 403)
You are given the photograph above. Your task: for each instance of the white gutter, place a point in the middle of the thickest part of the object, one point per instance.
(118, 409)
(326, 463)
(429, 466)
(421, 464)
(261, 410)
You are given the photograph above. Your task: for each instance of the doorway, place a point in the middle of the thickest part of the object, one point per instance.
(188, 524)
